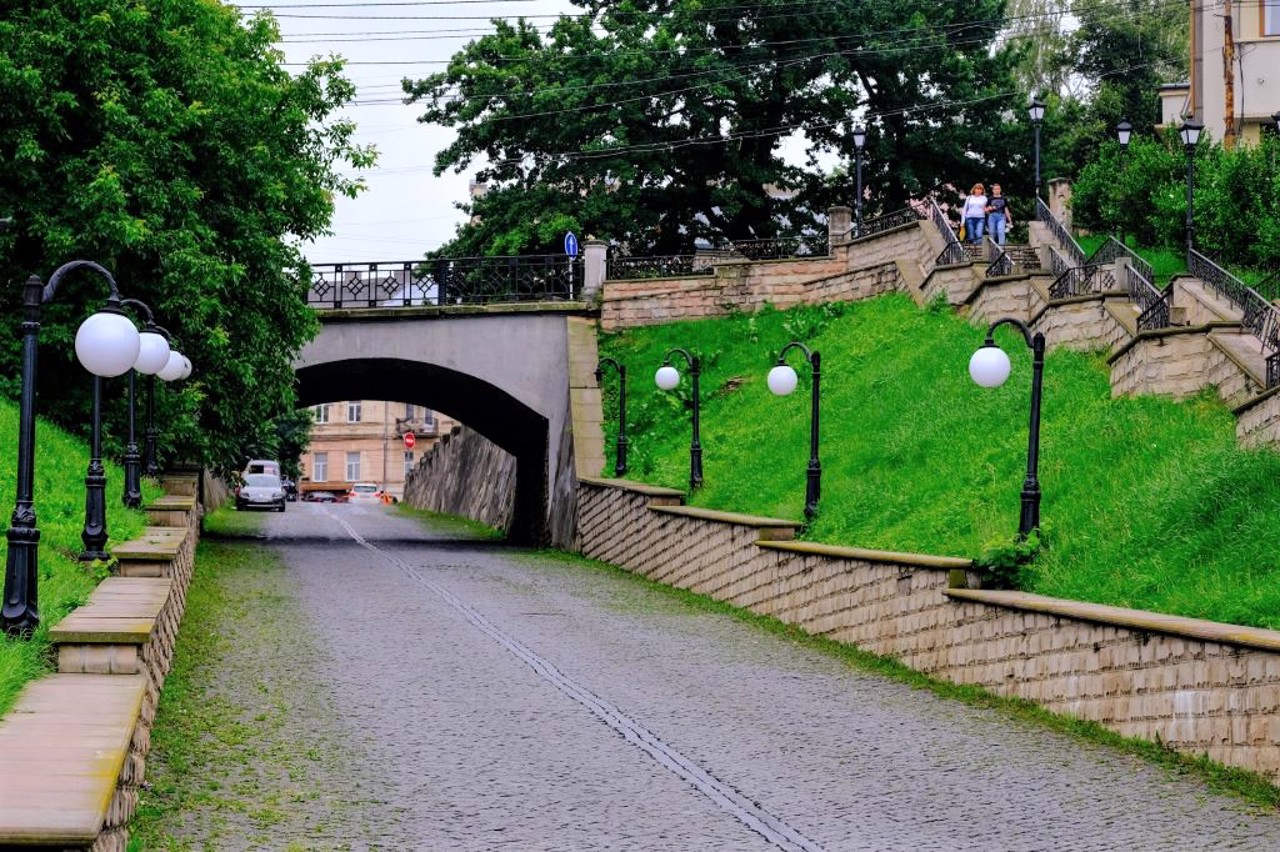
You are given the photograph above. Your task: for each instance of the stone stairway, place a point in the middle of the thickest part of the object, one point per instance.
(1025, 257)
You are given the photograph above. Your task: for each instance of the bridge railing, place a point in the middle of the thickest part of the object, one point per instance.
(445, 281)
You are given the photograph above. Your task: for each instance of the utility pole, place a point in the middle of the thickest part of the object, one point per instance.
(1229, 76)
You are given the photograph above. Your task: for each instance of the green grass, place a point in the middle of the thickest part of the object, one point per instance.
(1249, 786)
(451, 524)
(1165, 262)
(1148, 503)
(64, 582)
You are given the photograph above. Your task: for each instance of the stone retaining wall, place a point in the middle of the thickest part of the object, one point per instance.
(1258, 421)
(1168, 361)
(1199, 687)
(1085, 323)
(465, 474)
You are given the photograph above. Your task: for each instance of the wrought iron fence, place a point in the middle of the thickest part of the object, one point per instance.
(1261, 318)
(1069, 246)
(1000, 261)
(1057, 263)
(781, 248)
(445, 281)
(887, 222)
(1082, 281)
(1113, 249)
(954, 252)
(1269, 286)
(664, 266)
(1157, 313)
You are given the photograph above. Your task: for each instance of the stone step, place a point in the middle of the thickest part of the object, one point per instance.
(1216, 302)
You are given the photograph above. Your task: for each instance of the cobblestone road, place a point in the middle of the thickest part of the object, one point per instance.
(492, 699)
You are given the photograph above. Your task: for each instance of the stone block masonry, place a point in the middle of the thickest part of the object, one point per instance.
(465, 474)
(1197, 686)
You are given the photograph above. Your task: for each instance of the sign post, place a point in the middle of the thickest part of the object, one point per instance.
(409, 440)
(571, 249)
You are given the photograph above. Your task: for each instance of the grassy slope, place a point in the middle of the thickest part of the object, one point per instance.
(1165, 262)
(61, 462)
(1147, 502)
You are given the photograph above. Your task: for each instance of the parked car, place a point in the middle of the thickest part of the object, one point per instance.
(364, 492)
(261, 490)
(323, 497)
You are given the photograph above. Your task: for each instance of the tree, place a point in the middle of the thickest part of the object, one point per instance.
(166, 141)
(656, 123)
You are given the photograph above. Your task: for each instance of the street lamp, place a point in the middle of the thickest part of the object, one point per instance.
(667, 378)
(107, 345)
(1190, 133)
(990, 367)
(1036, 111)
(620, 447)
(782, 381)
(153, 355)
(859, 140)
(177, 366)
(1124, 131)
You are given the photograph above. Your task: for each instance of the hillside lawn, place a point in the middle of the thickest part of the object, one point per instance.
(65, 582)
(1148, 503)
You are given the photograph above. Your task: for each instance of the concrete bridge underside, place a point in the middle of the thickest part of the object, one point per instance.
(505, 374)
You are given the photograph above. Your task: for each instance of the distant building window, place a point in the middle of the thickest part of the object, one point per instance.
(320, 467)
(408, 462)
(322, 413)
(353, 466)
(408, 411)
(1271, 18)
(353, 415)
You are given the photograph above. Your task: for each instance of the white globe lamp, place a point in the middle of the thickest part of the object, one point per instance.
(782, 380)
(172, 370)
(989, 366)
(153, 353)
(107, 344)
(667, 377)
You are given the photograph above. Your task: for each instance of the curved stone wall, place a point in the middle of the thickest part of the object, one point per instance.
(465, 474)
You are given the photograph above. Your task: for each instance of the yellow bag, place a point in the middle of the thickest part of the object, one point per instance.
(962, 230)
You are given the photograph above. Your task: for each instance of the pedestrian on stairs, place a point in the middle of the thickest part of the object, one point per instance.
(974, 213)
(998, 216)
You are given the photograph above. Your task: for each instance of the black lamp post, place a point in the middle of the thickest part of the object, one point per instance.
(1036, 111)
(859, 140)
(107, 345)
(620, 447)
(1124, 132)
(667, 378)
(153, 355)
(782, 381)
(1190, 133)
(990, 367)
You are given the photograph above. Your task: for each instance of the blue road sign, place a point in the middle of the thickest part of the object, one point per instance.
(570, 244)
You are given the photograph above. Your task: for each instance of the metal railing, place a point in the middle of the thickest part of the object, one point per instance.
(1057, 263)
(1082, 281)
(1000, 261)
(662, 266)
(1113, 249)
(781, 248)
(1066, 242)
(444, 281)
(1261, 318)
(1269, 286)
(1155, 307)
(954, 252)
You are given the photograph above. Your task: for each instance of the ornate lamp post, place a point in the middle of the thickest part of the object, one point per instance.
(1124, 132)
(782, 381)
(990, 367)
(667, 378)
(153, 355)
(620, 447)
(1036, 111)
(1190, 133)
(107, 345)
(859, 140)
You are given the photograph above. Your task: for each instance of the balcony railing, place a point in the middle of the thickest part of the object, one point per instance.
(445, 281)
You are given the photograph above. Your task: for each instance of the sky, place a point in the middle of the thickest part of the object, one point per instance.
(406, 210)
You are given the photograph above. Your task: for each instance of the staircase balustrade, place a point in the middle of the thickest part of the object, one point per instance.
(1060, 233)
(662, 266)
(1000, 262)
(1113, 249)
(1082, 281)
(1261, 318)
(781, 248)
(954, 252)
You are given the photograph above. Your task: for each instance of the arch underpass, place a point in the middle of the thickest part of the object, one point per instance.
(503, 372)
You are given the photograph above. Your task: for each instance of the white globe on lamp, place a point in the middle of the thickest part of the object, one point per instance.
(782, 380)
(172, 370)
(153, 353)
(989, 366)
(186, 367)
(667, 377)
(107, 344)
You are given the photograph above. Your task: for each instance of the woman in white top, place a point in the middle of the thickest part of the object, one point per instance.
(975, 213)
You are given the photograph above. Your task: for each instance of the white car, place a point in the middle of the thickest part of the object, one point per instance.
(364, 492)
(261, 490)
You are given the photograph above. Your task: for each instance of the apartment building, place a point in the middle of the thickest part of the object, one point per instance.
(364, 441)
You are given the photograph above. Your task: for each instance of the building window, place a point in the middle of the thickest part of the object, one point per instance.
(353, 467)
(353, 412)
(320, 467)
(408, 462)
(321, 413)
(429, 419)
(408, 411)
(1271, 18)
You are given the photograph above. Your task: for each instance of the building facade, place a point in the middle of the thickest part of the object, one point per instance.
(1251, 67)
(364, 441)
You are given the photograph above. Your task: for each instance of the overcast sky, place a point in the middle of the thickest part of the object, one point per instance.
(406, 210)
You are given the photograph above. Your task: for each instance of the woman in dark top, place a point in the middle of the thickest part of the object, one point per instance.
(998, 217)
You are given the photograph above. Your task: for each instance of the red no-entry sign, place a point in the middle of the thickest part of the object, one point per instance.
(409, 440)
